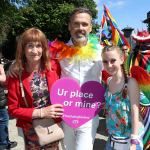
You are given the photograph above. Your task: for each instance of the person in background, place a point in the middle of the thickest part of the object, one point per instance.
(37, 74)
(122, 96)
(139, 58)
(5, 142)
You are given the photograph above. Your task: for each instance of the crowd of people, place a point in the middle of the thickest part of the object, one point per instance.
(34, 70)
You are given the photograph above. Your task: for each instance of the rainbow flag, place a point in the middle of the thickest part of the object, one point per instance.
(105, 35)
(110, 30)
(109, 17)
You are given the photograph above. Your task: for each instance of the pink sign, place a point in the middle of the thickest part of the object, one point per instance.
(81, 104)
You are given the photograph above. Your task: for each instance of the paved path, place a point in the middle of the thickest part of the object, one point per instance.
(13, 135)
(98, 145)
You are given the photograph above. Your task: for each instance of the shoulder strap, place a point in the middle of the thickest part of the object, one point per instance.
(108, 81)
(22, 89)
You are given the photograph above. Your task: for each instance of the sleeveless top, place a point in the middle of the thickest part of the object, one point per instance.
(118, 114)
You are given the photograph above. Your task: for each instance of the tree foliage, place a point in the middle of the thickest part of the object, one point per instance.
(51, 16)
(6, 19)
(6, 32)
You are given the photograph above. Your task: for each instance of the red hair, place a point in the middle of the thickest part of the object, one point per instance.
(32, 35)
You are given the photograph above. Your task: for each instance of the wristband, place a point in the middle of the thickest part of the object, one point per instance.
(135, 141)
(134, 136)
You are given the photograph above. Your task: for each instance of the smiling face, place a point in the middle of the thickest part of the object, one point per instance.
(33, 52)
(112, 61)
(80, 26)
(32, 49)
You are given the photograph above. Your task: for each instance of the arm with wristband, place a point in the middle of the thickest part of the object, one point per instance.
(134, 96)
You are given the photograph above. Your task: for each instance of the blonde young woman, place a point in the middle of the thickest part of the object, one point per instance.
(122, 103)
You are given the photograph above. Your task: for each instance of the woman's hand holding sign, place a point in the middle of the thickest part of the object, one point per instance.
(52, 111)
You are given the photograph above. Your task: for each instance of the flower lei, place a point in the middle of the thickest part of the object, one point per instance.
(61, 50)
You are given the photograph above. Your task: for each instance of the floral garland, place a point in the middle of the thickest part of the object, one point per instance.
(61, 50)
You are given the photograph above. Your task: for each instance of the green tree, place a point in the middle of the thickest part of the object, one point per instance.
(6, 32)
(51, 16)
(6, 19)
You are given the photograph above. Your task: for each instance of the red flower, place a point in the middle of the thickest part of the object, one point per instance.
(123, 121)
(118, 98)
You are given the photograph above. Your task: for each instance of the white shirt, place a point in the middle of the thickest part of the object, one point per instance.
(82, 70)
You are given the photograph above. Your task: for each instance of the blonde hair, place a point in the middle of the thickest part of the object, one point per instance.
(112, 48)
(122, 53)
(32, 35)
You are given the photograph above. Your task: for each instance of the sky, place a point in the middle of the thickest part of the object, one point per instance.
(127, 13)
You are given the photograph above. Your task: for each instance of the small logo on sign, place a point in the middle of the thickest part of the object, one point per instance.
(75, 121)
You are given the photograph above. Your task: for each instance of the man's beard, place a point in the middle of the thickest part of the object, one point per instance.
(80, 40)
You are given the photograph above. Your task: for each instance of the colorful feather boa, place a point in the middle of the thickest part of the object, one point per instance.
(61, 50)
